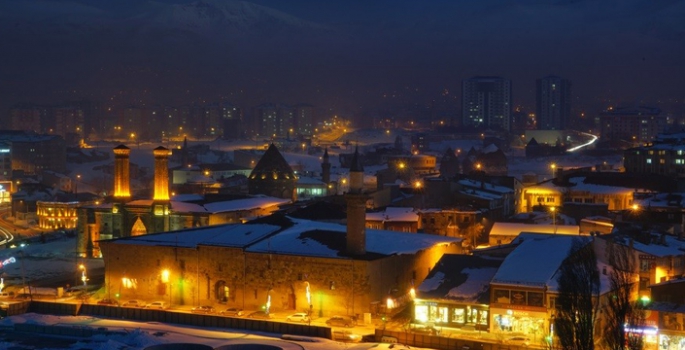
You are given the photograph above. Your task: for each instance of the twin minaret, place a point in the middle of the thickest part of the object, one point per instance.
(122, 191)
(356, 208)
(122, 175)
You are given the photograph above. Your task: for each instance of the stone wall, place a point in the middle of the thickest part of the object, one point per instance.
(224, 276)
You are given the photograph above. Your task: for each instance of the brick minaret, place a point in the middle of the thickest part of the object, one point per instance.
(122, 174)
(161, 174)
(356, 208)
(326, 168)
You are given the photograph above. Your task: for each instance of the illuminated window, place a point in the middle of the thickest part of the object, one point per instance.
(649, 160)
(458, 316)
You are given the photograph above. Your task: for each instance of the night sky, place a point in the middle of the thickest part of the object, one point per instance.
(343, 55)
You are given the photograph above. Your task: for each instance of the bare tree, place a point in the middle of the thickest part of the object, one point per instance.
(621, 308)
(576, 310)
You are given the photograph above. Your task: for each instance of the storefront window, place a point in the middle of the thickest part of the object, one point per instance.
(473, 316)
(503, 323)
(421, 313)
(458, 315)
(671, 342)
(483, 317)
(443, 312)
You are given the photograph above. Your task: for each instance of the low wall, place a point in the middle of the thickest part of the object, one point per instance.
(437, 342)
(198, 320)
(53, 308)
(17, 308)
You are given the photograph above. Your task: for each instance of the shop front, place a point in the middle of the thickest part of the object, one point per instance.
(443, 314)
(532, 322)
(671, 340)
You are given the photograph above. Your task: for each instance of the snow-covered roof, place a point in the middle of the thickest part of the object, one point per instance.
(319, 239)
(304, 238)
(580, 185)
(490, 148)
(514, 229)
(402, 214)
(185, 207)
(245, 204)
(233, 235)
(189, 197)
(485, 186)
(596, 222)
(535, 260)
(671, 247)
(462, 278)
(306, 180)
(663, 200)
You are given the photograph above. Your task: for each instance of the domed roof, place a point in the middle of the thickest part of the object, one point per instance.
(272, 166)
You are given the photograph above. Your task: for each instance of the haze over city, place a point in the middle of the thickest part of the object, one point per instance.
(361, 175)
(344, 56)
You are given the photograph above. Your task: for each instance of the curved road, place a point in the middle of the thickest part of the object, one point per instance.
(6, 228)
(593, 139)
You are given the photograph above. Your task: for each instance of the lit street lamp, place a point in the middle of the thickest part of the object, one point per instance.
(84, 277)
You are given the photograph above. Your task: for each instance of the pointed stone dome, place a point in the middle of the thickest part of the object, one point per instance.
(272, 165)
(272, 176)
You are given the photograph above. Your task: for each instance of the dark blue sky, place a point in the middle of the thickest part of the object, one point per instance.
(339, 54)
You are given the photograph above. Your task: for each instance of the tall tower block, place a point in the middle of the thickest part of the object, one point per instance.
(161, 174)
(122, 174)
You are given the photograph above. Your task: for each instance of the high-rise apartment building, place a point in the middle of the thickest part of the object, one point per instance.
(553, 98)
(636, 125)
(486, 101)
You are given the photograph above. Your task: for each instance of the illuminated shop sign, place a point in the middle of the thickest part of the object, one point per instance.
(7, 262)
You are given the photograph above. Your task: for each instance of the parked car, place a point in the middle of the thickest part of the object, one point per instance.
(106, 301)
(298, 317)
(160, 305)
(519, 340)
(203, 309)
(232, 311)
(133, 303)
(341, 321)
(260, 315)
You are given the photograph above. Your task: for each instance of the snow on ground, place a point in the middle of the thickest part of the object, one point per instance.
(141, 154)
(138, 335)
(43, 261)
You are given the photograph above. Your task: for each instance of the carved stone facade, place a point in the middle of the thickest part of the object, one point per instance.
(231, 276)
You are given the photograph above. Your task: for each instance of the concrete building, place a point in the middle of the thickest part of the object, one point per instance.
(553, 103)
(666, 156)
(486, 102)
(635, 125)
(33, 153)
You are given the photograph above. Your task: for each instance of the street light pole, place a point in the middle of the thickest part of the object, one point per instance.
(84, 277)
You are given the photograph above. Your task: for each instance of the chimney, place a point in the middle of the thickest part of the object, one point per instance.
(122, 173)
(356, 209)
(161, 174)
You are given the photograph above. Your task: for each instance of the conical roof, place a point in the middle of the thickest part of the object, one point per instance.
(272, 165)
(356, 165)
